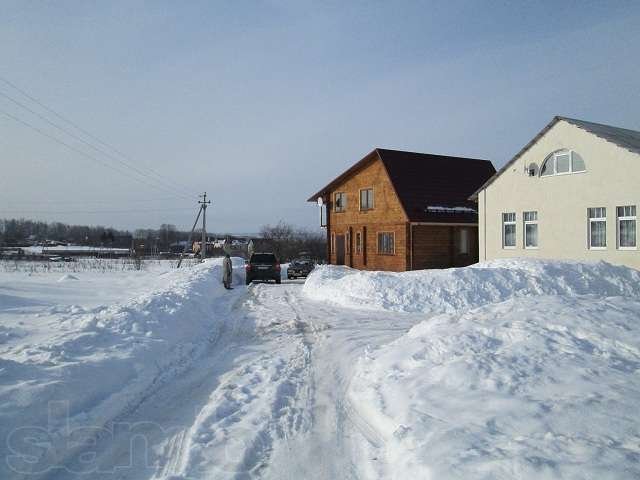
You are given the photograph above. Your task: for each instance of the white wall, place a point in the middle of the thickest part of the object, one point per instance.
(612, 179)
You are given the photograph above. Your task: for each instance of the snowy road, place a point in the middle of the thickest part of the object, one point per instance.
(261, 402)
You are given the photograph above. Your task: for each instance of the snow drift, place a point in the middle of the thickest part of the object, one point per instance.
(530, 388)
(522, 369)
(101, 362)
(437, 291)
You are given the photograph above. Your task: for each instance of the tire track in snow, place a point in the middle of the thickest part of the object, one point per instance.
(258, 405)
(160, 410)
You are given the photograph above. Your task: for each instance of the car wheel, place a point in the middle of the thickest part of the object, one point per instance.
(278, 281)
(248, 281)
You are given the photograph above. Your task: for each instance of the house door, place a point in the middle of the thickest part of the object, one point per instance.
(339, 249)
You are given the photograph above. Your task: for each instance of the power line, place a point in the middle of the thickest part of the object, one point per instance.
(79, 128)
(81, 152)
(60, 212)
(76, 137)
(95, 202)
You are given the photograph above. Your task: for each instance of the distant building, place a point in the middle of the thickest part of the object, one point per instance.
(571, 193)
(399, 211)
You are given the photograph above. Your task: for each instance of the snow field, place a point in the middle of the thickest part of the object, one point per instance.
(67, 366)
(525, 369)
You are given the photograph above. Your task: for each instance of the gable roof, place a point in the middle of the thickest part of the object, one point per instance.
(431, 188)
(623, 137)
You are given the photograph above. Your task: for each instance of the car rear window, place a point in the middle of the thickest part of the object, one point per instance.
(263, 258)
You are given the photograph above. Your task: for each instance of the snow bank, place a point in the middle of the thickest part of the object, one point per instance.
(437, 291)
(525, 369)
(91, 365)
(544, 387)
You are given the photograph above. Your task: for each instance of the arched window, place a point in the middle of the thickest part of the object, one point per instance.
(562, 162)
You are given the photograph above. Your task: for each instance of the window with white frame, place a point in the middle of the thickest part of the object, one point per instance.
(340, 202)
(366, 199)
(509, 230)
(386, 243)
(561, 163)
(597, 227)
(627, 227)
(530, 220)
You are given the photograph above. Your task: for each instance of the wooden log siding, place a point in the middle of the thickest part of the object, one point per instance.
(420, 241)
(437, 246)
(387, 215)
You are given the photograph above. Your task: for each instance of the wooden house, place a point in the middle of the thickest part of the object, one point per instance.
(398, 211)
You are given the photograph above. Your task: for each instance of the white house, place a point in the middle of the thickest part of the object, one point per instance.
(571, 193)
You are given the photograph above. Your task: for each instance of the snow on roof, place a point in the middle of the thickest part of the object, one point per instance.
(444, 209)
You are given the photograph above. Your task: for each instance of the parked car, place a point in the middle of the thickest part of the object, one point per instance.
(58, 258)
(300, 267)
(262, 266)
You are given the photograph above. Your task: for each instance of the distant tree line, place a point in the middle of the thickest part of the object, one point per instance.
(18, 232)
(23, 231)
(285, 240)
(288, 242)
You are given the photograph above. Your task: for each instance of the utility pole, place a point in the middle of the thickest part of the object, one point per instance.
(184, 250)
(204, 204)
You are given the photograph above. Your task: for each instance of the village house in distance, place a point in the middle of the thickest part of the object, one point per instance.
(570, 193)
(398, 211)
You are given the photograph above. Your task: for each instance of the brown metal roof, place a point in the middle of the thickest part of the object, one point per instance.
(431, 188)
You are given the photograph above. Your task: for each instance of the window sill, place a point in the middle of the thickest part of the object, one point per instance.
(531, 248)
(597, 248)
(508, 248)
(386, 254)
(627, 248)
(561, 174)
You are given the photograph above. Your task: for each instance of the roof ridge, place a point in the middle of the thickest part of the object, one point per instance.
(588, 122)
(423, 154)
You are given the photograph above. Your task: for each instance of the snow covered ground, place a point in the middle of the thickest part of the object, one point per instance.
(526, 369)
(512, 369)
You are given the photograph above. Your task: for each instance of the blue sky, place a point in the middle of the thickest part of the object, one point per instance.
(262, 103)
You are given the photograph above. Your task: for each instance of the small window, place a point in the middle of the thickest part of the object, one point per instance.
(597, 227)
(530, 220)
(509, 230)
(340, 204)
(366, 199)
(627, 227)
(358, 243)
(386, 243)
(463, 241)
(561, 163)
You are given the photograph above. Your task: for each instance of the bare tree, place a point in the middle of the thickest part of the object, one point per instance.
(288, 242)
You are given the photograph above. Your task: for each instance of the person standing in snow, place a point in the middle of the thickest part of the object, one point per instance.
(227, 268)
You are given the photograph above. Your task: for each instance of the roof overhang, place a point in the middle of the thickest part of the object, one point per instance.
(522, 151)
(371, 156)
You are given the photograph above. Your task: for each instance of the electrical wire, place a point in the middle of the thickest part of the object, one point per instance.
(60, 212)
(81, 152)
(84, 202)
(88, 134)
(80, 139)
